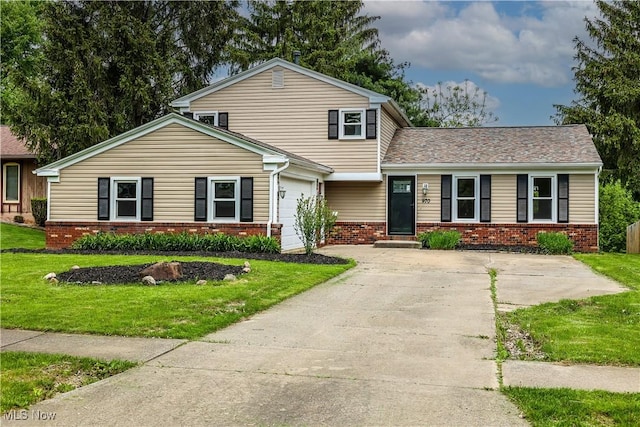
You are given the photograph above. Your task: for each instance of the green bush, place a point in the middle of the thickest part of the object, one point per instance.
(440, 239)
(555, 243)
(617, 211)
(39, 210)
(177, 242)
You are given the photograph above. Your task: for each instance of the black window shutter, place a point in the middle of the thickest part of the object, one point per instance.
(200, 210)
(445, 198)
(147, 199)
(223, 120)
(523, 197)
(103, 198)
(563, 198)
(188, 114)
(333, 124)
(246, 199)
(372, 124)
(485, 198)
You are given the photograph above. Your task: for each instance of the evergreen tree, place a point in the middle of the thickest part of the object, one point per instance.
(608, 82)
(111, 66)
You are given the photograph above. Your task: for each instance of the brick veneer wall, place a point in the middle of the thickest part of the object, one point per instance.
(584, 236)
(63, 234)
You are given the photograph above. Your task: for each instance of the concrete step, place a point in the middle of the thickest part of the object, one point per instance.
(407, 244)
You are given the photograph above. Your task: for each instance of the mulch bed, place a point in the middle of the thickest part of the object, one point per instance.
(131, 273)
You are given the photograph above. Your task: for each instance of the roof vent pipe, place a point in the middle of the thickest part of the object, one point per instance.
(296, 57)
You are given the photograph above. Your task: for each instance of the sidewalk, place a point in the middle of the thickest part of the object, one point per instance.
(96, 346)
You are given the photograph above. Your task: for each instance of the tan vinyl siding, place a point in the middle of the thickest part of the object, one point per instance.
(294, 118)
(582, 202)
(173, 156)
(388, 128)
(503, 198)
(429, 212)
(357, 201)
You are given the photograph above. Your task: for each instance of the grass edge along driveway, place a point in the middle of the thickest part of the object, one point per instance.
(551, 407)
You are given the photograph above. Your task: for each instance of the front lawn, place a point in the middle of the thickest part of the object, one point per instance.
(27, 378)
(170, 310)
(17, 236)
(602, 329)
(565, 407)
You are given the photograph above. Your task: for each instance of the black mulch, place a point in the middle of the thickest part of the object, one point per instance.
(131, 273)
(297, 258)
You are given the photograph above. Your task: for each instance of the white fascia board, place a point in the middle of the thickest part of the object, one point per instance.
(46, 172)
(354, 176)
(496, 167)
(270, 161)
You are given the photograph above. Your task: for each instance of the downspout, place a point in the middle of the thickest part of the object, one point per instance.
(273, 195)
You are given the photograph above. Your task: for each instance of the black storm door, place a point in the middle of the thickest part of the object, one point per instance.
(401, 203)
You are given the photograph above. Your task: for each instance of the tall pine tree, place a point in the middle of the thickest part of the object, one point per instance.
(111, 66)
(608, 82)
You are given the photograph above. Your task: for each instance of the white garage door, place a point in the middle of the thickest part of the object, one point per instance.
(295, 188)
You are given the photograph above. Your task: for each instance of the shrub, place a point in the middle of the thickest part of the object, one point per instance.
(18, 219)
(177, 242)
(440, 239)
(39, 210)
(313, 221)
(617, 211)
(555, 243)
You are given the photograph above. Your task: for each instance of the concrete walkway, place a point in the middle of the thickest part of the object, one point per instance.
(405, 338)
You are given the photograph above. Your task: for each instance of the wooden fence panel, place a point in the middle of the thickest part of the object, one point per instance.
(633, 238)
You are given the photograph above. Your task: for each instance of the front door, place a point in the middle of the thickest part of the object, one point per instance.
(401, 202)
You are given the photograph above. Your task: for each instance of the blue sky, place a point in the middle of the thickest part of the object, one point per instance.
(520, 52)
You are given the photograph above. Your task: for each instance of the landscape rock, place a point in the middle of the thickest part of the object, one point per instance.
(201, 282)
(75, 267)
(53, 280)
(50, 276)
(163, 271)
(247, 265)
(246, 270)
(148, 280)
(230, 277)
(96, 282)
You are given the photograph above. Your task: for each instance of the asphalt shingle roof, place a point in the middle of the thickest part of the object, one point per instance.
(506, 145)
(11, 147)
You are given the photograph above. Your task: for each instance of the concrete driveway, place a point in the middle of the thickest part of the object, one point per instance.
(405, 338)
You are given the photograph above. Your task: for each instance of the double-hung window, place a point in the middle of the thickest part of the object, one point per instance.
(352, 124)
(126, 198)
(225, 194)
(466, 198)
(11, 182)
(543, 199)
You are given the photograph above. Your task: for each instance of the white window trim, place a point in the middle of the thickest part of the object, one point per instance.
(454, 201)
(4, 182)
(211, 192)
(341, 123)
(114, 194)
(554, 199)
(197, 114)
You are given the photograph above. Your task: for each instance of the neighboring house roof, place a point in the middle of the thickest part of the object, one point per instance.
(11, 147)
(569, 145)
(374, 97)
(276, 154)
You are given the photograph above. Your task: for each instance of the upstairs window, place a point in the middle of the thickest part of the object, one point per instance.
(208, 117)
(351, 124)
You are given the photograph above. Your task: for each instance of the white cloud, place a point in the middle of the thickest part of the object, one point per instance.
(535, 47)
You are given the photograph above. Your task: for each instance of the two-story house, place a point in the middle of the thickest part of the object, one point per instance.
(242, 151)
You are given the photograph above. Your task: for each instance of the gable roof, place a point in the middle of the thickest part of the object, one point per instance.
(374, 97)
(569, 145)
(11, 147)
(278, 155)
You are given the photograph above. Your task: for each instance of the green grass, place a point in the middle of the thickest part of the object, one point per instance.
(27, 378)
(180, 310)
(565, 407)
(16, 236)
(600, 330)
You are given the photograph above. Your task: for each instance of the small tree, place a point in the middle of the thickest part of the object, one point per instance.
(617, 211)
(313, 221)
(39, 210)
